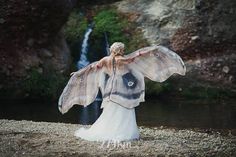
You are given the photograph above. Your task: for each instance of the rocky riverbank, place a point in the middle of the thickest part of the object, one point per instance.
(27, 138)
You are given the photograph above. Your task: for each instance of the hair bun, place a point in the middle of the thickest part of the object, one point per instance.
(116, 48)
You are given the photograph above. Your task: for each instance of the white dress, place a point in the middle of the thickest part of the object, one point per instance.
(120, 81)
(115, 123)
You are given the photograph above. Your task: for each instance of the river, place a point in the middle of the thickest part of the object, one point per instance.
(179, 114)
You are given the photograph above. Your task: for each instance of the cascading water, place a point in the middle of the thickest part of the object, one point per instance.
(107, 44)
(94, 107)
(83, 57)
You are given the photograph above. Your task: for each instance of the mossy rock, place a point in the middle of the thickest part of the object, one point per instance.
(207, 92)
(106, 20)
(43, 85)
(155, 88)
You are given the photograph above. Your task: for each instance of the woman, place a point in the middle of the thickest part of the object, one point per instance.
(121, 81)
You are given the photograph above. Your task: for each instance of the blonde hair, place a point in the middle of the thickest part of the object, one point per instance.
(117, 48)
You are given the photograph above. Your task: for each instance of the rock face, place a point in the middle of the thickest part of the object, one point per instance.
(196, 29)
(31, 39)
(158, 19)
(29, 23)
(183, 23)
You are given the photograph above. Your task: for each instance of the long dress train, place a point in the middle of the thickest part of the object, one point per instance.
(115, 123)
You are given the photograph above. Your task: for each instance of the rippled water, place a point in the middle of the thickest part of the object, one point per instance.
(180, 114)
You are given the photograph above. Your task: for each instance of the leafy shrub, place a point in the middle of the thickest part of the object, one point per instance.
(202, 92)
(75, 26)
(153, 88)
(108, 21)
(45, 86)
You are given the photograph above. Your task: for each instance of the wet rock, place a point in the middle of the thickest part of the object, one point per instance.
(26, 28)
(27, 67)
(158, 19)
(184, 25)
(40, 70)
(217, 41)
(231, 78)
(10, 67)
(198, 62)
(225, 69)
(212, 71)
(30, 42)
(2, 20)
(45, 53)
(194, 37)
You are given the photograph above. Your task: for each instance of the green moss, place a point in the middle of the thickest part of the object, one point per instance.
(106, 20)
(207, 93)
(188, 92)
(43, 86)
(75, 26)
(109, 22)
(154, 88)
(74, 30)
(118, 28)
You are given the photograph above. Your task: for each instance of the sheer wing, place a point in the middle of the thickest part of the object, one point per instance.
(157, 62)
(81, 89)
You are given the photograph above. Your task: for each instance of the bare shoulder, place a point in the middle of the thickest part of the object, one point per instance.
(104, 59)
(120, 58)
(124, 60)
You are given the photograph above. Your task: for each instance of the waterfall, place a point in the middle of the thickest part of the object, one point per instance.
(107, 45)
(84, 50)
(83, 61)
(92, 112)
(94, 108)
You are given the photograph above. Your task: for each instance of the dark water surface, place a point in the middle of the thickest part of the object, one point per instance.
(180, 114)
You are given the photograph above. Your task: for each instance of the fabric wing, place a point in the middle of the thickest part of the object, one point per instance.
(157, 63)
(81, 89)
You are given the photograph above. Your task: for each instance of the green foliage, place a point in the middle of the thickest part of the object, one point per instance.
(120, 29)
(75, 26)
(74, 31)
(116, 26)
(187, 92)
(39, 85)
(207, 93)
(108, 21)
(153, 88)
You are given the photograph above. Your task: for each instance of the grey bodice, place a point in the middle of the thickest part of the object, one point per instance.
(124, 87)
